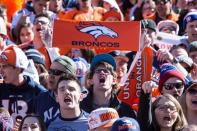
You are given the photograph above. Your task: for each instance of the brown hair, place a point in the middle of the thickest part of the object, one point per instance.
(108, 66)
(66, 77)
(18, 31)
(180, 121)
(41, 122)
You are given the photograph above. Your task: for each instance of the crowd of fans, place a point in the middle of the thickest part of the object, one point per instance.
(42, 89)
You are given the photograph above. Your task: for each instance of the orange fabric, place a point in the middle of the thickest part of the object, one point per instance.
(141, 72)
(151, 17)
(46, 55)
(12, 6)
(112, 13)
(174, 17)
(100, 36)
(93, 15)
(8, 56)
(156, 92)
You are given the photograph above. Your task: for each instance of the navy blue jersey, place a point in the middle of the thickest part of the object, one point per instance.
(46, 106)
(17, 99)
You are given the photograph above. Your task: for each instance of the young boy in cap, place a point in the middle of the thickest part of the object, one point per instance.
(190, 24)
(102, 119)
(102, 90)
(17, 90)
(68, 95)
(50, 110)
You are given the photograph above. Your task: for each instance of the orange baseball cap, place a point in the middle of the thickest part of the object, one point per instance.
(14, 56)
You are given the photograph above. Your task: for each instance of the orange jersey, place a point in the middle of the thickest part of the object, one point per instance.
(44, 52)
(12, 6)
(96, 14)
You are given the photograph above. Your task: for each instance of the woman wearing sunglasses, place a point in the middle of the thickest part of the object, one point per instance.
(188, 102)
(172, 81)
(164, 114)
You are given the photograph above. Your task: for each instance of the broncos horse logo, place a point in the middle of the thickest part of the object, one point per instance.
(97, 30)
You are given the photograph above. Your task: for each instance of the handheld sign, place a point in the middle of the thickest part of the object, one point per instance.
(166, 40)
(96, 35)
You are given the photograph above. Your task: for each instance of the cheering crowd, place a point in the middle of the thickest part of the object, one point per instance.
(43, 88)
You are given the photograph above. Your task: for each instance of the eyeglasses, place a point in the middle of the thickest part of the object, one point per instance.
(40, 22)
(192, 91)
(170, 86)
(164, 108)
(55, 72)
(161, 2)
(106, 71)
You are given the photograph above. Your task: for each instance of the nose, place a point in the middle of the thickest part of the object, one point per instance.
(29, 129)
(66, 91)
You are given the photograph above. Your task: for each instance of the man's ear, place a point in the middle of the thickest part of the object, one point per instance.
(81, 97)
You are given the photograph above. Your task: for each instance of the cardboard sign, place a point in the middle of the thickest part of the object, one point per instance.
(96, 35)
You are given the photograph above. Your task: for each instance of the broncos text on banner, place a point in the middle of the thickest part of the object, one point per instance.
(104, 36)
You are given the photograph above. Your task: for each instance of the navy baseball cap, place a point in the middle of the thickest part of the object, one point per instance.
(103, 58)
(125, 124)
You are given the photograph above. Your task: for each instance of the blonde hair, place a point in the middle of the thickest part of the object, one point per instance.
(5, 111)
(180, 121)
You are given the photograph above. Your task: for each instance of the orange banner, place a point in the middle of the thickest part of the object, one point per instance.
(96, 35)
(141, 72)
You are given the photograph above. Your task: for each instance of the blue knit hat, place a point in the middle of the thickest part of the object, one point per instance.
(168, 71)
(125, 124)
(191, 16)
(103, 58)
(35, 55)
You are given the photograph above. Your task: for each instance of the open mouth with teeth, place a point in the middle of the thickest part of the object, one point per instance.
(67, 99)
(167, 118)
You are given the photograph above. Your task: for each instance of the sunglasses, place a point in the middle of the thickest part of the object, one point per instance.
(55, 72)
(192, 91)
(161, 2)
(170, 86)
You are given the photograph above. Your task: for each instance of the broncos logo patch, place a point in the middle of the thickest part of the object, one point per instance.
(97, 30)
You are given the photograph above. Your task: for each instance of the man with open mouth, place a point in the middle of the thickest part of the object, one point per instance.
(102, 87)
(68, 95)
